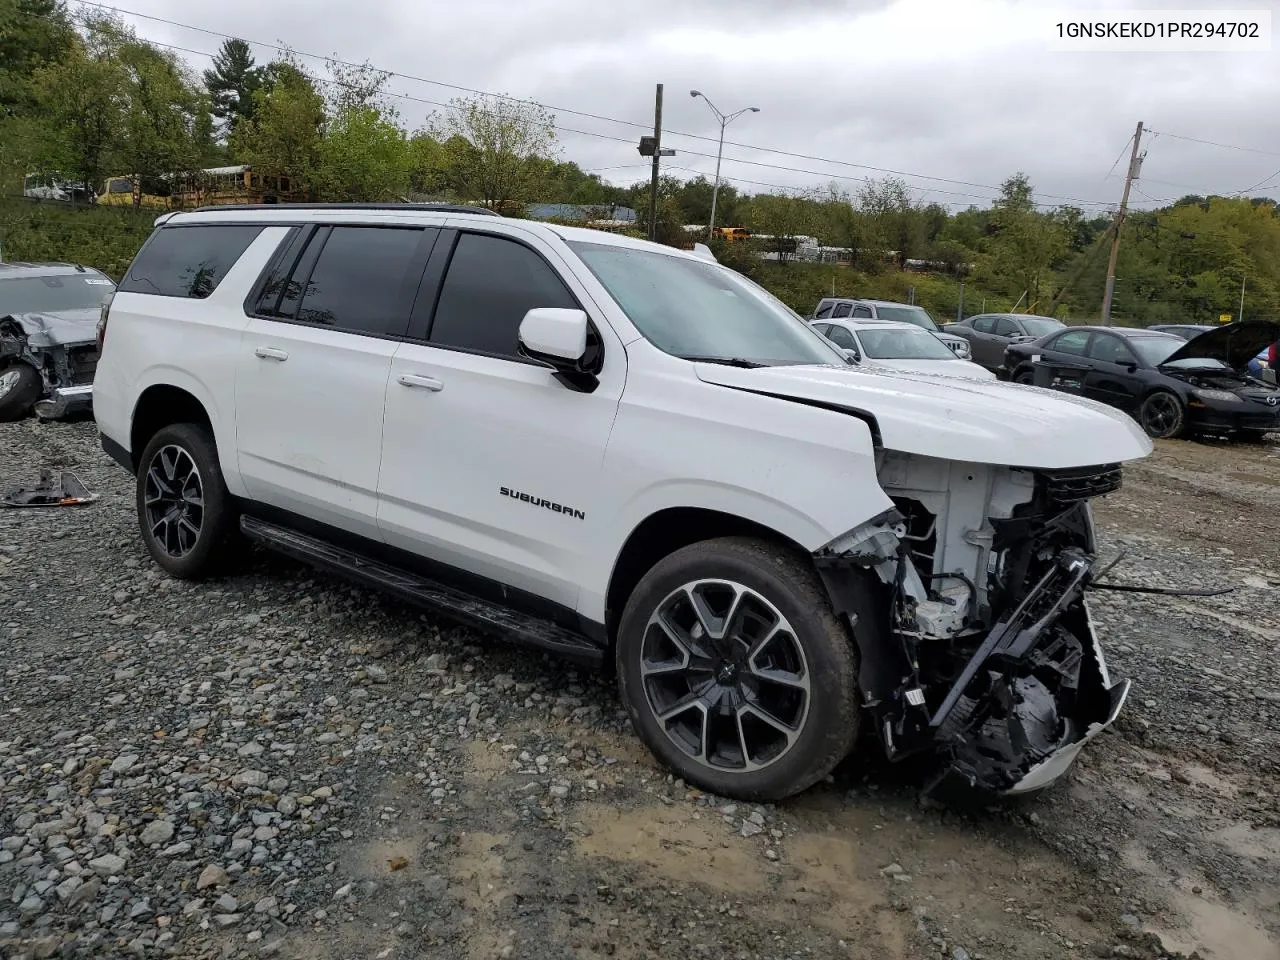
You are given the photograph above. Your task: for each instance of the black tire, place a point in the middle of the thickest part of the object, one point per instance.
(203, 545)
(1162, 415)
(20, 388)
(1025, 376)
(817, 648)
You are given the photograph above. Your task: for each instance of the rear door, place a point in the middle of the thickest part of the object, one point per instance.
(312, 374)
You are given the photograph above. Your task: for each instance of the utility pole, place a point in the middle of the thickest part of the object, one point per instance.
(1241, 316)
(1134, 164)
(653, 178)
(652, 147)
(960, 305)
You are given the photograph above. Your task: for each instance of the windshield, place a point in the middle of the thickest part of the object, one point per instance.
(53, 294)
(1039, 326)
(693, 308)
(907, 343)
(905, 314)
(1154, 350)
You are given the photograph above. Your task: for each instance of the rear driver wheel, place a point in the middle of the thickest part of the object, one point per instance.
(186, 515)
(735, 670)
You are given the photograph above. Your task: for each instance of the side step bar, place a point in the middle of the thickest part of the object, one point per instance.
(480, 614)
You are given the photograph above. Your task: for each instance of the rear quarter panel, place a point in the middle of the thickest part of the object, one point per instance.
(185, 343)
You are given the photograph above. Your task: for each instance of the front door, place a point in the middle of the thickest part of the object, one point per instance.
(490, 465)
(1112, 377)
(312, 374)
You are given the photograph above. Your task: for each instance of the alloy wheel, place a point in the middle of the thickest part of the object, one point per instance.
(1160, 414)
(8, 380)
(725, 675)
(173, 499)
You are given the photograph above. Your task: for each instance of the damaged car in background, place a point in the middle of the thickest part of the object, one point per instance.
(48, 337)
(638, 459)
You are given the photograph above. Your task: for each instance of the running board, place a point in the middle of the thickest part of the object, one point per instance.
(483, 615)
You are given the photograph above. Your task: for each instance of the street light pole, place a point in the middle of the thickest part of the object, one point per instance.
(724, 122)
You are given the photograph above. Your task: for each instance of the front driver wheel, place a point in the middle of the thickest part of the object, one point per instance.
(1161, 415)
(736, 672)
(1025, 376)
(184, 510)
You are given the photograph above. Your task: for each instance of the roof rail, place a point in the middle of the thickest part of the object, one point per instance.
(433, 207)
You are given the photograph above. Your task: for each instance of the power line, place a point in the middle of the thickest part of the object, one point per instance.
(1225, 146)
(603, 118)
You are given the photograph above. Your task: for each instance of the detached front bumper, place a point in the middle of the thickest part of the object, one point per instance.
(64, 400)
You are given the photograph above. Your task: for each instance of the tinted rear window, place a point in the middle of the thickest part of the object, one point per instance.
(187, 262)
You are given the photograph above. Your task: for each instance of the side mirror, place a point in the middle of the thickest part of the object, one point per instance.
(1130, 366)
(558, 337)
(852, 356)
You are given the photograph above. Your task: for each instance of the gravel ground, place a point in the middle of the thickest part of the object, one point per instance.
(279, 764)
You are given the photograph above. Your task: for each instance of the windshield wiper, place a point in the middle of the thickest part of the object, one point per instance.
(726, 361)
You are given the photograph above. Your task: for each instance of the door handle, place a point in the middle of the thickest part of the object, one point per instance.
(271, 353)
(421, 382)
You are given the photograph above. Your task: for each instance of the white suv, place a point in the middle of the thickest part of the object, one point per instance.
(635, 457)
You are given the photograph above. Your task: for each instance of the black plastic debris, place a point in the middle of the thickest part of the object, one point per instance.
(63, 490)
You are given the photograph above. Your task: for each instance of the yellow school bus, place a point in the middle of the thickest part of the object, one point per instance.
(216, 186)
(154, 193)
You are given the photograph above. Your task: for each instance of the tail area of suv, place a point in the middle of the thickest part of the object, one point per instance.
(633, 457)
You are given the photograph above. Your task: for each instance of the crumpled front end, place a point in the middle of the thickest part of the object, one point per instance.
(967, 603)
(63, 350)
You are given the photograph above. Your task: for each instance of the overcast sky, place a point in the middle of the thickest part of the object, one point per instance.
(959, 90)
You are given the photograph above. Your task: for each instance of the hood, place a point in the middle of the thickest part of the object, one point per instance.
(977, 421)
(947, 336)
(66, 328)
(1235, 344)
(936, 368)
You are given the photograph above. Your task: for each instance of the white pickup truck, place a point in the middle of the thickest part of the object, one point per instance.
(635, 457)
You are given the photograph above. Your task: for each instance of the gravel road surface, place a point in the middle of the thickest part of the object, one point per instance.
(278, 764)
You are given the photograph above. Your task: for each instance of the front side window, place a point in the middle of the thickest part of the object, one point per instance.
(907, 343)
(1004, 327)
(692, 308)
(1110, 349)
(863, 312)
(187, 262)
(491, 283)
(842, 310)
(842, 338)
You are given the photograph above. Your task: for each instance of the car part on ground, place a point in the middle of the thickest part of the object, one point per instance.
(65, 490)
(639, 459)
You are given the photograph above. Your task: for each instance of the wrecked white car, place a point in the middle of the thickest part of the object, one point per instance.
(48, 337)
(636, 458)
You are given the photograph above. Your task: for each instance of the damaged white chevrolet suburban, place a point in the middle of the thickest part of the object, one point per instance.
(634, 457)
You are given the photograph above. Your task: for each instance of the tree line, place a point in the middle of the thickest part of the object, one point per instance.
(87, 97)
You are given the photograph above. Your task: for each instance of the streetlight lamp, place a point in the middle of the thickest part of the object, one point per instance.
(724, 122)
